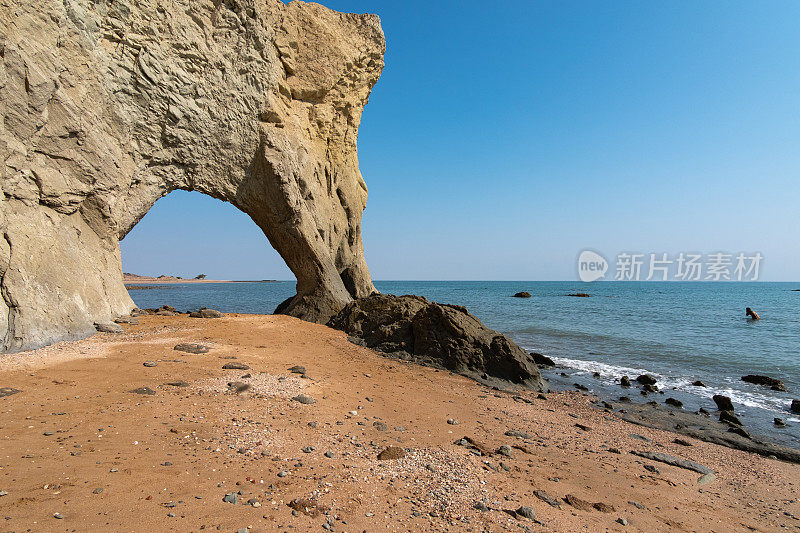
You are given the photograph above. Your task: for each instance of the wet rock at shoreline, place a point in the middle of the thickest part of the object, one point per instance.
(646, 379)
(522, 294)
(738, 430)
(774, 384)
(579, 295)
(724, 403)
(698, 383)
(673, 402)
(795, 407)
(542, 360)
(625, 381)
(729, 418)
(438, 335)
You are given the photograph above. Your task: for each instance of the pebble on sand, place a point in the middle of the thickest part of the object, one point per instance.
(304, 399)
(392, 452)
(234, 365)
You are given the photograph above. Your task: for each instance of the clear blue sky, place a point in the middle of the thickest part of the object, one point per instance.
(505, 137)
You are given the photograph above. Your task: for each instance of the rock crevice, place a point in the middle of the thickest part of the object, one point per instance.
(107, 107)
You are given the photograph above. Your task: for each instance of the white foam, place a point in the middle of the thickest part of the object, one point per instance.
(612, 373)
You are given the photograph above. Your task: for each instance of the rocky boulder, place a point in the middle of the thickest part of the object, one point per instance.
(438, 335)
(766, 381)
(206, 313)
(542, 360)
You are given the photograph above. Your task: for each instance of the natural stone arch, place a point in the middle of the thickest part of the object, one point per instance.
(108, 106)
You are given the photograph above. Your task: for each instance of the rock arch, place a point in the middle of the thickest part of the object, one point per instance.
(108, 106)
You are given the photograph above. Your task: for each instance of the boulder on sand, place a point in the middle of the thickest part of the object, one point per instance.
(206, 313)
(438, 335)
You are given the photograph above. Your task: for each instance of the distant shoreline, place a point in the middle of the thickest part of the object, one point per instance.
(128, 279)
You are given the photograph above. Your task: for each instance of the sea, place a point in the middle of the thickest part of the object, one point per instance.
(679, 332)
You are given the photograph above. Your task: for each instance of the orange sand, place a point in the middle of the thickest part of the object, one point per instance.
(180, 451)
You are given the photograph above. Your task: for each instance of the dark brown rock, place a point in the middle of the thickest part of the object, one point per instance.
(578, 503)
(392, 452)
(724, 403)
(235, 365)
(646, 379)
(443, 336)
(774, 384)
(795, 408)
(729, 418)
(522, 294)
(542, 360)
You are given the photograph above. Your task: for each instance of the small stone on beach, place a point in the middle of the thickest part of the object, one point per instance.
(304, 399)
(192, 347)
(234, 365)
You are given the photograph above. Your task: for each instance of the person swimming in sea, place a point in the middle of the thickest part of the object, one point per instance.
(752, 315)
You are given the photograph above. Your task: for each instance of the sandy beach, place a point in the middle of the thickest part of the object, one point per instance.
(95, 441)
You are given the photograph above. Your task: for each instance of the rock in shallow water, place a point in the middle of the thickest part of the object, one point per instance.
(795, 407)
(542, 360)
(646, 379)
(724, 403)
(774, 384)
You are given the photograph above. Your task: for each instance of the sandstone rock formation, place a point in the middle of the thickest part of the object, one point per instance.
(438, 335)
(108, 106)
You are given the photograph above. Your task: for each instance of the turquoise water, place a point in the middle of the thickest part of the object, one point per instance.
(679, 332)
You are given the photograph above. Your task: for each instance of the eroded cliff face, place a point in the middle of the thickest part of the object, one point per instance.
(107, 106)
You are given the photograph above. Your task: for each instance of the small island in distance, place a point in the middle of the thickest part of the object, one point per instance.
(127, 278)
